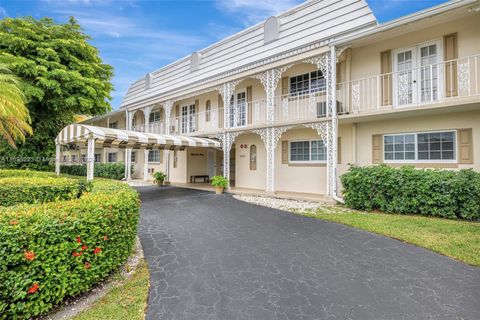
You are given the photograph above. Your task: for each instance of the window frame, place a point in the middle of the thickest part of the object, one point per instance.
(309, 91)
(310, 152)
(416, 133)
(152, 115)
(108, 157)
(208, 108)
(113, 125)
(99, 155)
(151, 152)
(133, 156)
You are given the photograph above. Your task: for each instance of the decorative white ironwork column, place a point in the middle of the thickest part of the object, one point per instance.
(167, 107)
(227, 90)
(227, 139)
(270, 137)
(269, 80)
(327, 63)
(324, 131)
(90, 158)
(146, 121)
(57, 158)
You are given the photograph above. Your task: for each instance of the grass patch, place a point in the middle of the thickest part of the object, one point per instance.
(126, 300)
(454, 238)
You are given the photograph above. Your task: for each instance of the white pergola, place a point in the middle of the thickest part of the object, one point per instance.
(92, 136)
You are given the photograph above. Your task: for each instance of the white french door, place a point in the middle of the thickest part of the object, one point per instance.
(418, 74)
(405, 77)
(188, 119)
(238, 110)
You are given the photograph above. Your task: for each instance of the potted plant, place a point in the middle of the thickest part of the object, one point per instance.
(220, 183)
(159, 177)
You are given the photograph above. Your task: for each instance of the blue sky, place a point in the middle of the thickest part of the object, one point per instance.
(139, 36)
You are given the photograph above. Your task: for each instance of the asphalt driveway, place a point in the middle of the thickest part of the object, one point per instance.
(214, 257)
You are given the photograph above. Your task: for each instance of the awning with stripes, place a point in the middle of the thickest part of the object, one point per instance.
(106, 137)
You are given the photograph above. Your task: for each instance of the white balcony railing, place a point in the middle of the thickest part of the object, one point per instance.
(421, 86)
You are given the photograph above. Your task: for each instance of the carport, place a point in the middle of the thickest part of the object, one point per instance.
(91, 136)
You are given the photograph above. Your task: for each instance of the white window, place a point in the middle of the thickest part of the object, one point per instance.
(188, 119)
(84, 158)
(154, 156)
(207, 110)
(154, 116)
(133, 156)
(65, 158)
(98, 157)
(307, 83)
(112, 157)
(113, 125)
(308, 151)
(74, 158)
(420, 147)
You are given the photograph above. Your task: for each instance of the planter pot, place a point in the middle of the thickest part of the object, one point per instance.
(159, 183)
(218, 190)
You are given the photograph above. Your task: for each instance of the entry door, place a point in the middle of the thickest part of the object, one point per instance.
(405, 77)
(211, 163)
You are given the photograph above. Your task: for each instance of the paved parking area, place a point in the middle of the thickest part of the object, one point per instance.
(214, 257)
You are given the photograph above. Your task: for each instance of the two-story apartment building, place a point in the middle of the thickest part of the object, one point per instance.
(294, 100)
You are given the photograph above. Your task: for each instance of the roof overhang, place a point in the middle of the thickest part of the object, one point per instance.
(78, 134)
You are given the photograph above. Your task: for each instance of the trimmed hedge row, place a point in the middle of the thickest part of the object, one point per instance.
(25, 173)
(103, 170)
(55, 250)
(36, 190)
(406, 190)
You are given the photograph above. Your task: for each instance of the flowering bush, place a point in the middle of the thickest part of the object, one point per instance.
(406, 190)
(54, 250)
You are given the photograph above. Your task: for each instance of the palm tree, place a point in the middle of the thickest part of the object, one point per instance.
(14, 117)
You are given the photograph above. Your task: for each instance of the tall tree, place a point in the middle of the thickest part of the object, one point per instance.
(62, 76)
(14, 116)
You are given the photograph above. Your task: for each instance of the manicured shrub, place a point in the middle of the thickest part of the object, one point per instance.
(54, 250)
(25, 173)
(406, 190)
(39, 189)
(103, 170)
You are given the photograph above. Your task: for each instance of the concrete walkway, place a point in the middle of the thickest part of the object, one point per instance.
(214, 257)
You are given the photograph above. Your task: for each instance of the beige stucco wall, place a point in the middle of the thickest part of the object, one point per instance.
(244, 177)
(449, 121)
(366, 59)
(298, 178)
(178, 174)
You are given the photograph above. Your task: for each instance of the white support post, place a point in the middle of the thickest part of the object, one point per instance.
(128, 162)
(167, 106)
(90, 158)
(145, 165)
(226, 157)
(334, 119)
(57, 158)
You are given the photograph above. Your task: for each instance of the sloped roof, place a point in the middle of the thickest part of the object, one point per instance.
(107, 137)
(312, 23)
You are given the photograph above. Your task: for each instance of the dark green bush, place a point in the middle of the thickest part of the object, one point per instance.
(55, 250)
(17, 190)
(406, 190)
(103, 170)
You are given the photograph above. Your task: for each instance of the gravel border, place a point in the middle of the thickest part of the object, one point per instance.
(74, 306)
(295, 206)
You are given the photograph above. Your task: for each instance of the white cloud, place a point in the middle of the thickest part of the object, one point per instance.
(3, 13)
(254, 11)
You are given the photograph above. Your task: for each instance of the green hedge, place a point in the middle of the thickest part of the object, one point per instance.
(17, 190)
(406, 190)
(25, 173)
(104, 170)
(59, 249)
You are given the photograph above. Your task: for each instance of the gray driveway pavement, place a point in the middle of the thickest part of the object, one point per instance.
(214, 257)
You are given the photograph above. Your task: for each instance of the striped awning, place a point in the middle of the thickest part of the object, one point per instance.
(106, 137)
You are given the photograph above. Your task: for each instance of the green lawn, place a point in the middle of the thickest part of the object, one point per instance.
(454, 238)
(126, 300)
